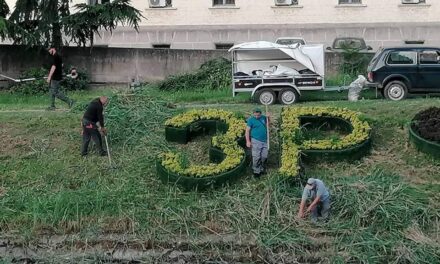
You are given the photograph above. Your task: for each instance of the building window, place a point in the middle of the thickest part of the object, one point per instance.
(402, 58)
(160, 3)
(414, 42)
(161, 46)
(97, 2)
(223, 46)
(223, 2)
(286, 2)
(344, 2)
(413, 2)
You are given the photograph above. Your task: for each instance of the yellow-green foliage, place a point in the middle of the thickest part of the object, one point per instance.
(291, 125)
(226, 142)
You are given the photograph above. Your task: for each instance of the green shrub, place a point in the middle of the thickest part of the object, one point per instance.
(212, 75)
(354, 62)
(40, 86)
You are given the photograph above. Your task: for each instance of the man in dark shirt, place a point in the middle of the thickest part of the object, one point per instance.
(92, 116)
(54, 79)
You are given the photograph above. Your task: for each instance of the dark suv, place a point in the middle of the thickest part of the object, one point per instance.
(402, 70)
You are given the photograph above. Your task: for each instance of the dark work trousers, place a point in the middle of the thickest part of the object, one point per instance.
(55, 92)
(90, 131)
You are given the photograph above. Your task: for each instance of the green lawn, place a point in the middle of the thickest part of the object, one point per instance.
(386, 207)
(10, 101)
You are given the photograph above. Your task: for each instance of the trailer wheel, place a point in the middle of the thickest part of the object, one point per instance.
(265, 97)
(288, 96)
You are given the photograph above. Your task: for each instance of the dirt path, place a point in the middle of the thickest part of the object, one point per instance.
(214, 248)
(33, 111)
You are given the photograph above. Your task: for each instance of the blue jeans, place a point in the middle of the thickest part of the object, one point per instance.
(323, 209)
(259, 155)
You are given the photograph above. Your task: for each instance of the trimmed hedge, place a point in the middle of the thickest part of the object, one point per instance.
(226, 154)
(293, 147)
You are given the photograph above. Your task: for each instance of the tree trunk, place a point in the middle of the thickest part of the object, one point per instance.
(57, 38)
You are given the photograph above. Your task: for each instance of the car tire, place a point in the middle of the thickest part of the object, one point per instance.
(396, 91)
(265, 97)
(288, 96)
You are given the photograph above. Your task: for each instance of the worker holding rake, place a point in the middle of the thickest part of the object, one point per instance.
(257, 139)
(93, 116)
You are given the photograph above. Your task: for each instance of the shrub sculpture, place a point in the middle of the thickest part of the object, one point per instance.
(226, 155)
(353, 145)
(424, 131)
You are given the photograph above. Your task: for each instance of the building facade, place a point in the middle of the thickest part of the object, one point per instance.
(218, 24)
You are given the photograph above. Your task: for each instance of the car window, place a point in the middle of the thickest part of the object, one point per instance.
(402, 57)
(429, 57)
(376, 56)
(348, 43)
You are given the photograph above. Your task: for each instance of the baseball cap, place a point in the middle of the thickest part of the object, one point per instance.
(310, 183)
(257, 110)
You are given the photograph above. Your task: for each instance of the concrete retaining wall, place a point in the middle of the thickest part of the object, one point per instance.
(121, 65)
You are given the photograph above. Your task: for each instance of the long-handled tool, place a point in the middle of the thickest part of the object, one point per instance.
(267, 127)
(108, 151)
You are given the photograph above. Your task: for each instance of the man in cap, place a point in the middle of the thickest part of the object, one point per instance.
(256, 138)
(316, 192)
(54, 80)
(92, 116)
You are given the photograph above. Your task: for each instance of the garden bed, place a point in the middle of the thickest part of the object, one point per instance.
(424, 131)
(296, 145)
(226, 154)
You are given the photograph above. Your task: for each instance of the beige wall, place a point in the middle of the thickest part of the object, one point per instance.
(200, 12)
(195, 24)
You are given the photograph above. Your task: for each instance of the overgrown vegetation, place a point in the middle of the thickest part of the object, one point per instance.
(212, 75)
(385, 207)
(354, 62)
(40, 85)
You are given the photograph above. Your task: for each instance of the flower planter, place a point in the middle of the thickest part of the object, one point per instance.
(202, 183)
(227, 158)
(350, 153)
(423, 145)
(354, 145)
(179, 135)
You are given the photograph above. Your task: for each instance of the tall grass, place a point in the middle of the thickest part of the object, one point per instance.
(377, 217)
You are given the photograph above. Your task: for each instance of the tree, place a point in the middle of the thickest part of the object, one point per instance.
(45, 22)
(4, 11)
(82, 25)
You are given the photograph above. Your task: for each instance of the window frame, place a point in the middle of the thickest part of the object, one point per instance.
(429, 50)
(223, 46)
(423, 2)
(350, 2)
(415, 61)
(164, 46)
(168, 4)
(224, 3)
(294, 3)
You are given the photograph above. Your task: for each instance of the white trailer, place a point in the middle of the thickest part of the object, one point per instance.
(272, 72)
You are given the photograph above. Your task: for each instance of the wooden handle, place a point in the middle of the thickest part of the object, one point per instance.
(267, 126)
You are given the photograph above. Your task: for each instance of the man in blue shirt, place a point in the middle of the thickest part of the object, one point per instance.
(316, 192)
(256, 137)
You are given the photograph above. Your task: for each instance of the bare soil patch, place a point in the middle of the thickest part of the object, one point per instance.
(11, 143)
